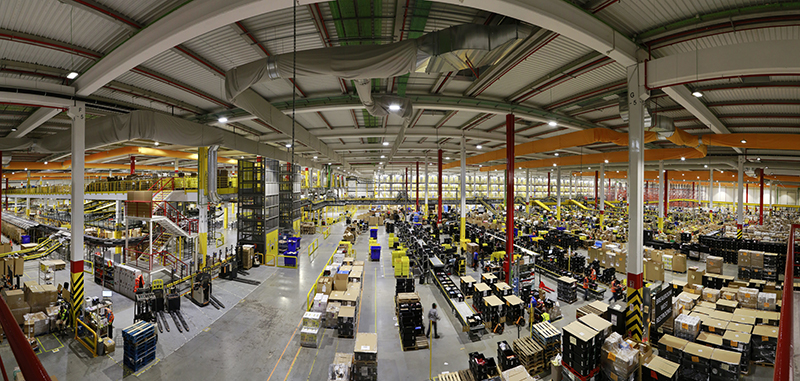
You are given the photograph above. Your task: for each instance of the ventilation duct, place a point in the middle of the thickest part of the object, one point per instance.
(663, 125)
(211, 167)
(451, 49)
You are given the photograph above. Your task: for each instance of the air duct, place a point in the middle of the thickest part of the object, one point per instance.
(211, 166)
(452, 49)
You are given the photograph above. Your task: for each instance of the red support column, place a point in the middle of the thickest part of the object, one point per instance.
(760, 196)
(439, 189)
(666, 193)
(6, 191)
(548, 184)
(746, 196)
(596, 195)
(510, 195)
(1, 190)
(417, 186)
(133, 164)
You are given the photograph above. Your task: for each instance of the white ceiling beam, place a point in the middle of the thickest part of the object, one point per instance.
(105, 12)
(36, 119)
(189, 21)
(757, 58)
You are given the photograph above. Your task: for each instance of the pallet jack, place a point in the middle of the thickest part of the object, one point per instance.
(201, 291)
(231, 270)
(174, 309)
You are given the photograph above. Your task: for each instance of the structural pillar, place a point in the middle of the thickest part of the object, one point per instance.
(78, 139)
(571, 187)
(558, 193)
(439, 189)
(417, 182)
(118, 219)
(510, 195)
(596, 194)
(202, 205)
(133, 164)
(637, 94)
(463, 191)
(426, 185)
(528, 191)
(740, 200)
(548, 184)
(666, 193)
(28, 192)
(603, 195)
(711, 195)
(760, 197)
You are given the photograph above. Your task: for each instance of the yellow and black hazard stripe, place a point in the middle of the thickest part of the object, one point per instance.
(739, 232)
(77, 294)
(634, 323)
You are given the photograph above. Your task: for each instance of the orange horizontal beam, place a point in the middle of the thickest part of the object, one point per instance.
(572, 139)
(610, 157)
(147, 151)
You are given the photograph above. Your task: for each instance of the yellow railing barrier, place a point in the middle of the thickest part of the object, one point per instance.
(313, 291)
(181, 183)
(92, 347)
(326, 232)
(282, 264)
(312, 247)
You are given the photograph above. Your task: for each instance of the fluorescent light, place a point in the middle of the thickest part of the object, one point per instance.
(705, 165)
(697, 94)
(394, 107)
(386, 143)
(157, 144)
(72, 75)
(554, 164)
(555, 154)
(26, 169)
(383, 156)
(45, 163)
(617, 171)
(480, 166)
(315, 157)
(330, 163)
(759, 159)
(222, 119)
(478, 146)
(242, 157)
(447, 158)
(13, 129)
(552, 123)
(520, 167)
(590, 168)
(744, 141)
(381, 163)
(288, 145)
(683, 158)
(606, 161)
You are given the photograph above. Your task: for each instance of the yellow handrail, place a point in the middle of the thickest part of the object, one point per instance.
(326, 232)
(93, 347)
(312, 247)
(312, 292)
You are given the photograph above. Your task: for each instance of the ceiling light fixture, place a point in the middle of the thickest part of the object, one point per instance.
(758, 158)
(222, 119)
(383, 156)
(242, 157)
(744, 141)
(45, 163)
(394, 107)
(288, 145)
(315, 157)
(157, 144)
(683, 158)
(386, 143)
(705, 165)
(555, 154)
(478, 146)
(72, 75)
(554, 164)
(552, 123)
(589, 168)
(13, 129)
(697, 94)
(606, 161)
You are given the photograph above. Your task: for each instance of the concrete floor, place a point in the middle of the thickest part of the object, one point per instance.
(257, 336)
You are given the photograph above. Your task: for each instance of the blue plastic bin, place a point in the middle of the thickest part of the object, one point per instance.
(373, 233)
(375, 253)
(291, 259)
(26, 239)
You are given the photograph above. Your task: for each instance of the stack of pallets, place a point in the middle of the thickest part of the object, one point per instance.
(549, 338)
(530, 354)
(140, 345)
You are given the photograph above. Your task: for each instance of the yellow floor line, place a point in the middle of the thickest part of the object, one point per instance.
(375, 299)
(315, 357)
(292, 365)
(284, 350)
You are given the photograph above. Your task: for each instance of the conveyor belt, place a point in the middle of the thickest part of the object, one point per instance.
(462, 311)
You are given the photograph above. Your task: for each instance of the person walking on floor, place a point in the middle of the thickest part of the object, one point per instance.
(433, 318)
(585, 288)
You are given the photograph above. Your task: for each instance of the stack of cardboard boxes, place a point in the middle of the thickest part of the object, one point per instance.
(140, 204)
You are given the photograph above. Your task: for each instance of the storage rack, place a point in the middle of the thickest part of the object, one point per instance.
(103, 273)
(289, 197)
(252, 218)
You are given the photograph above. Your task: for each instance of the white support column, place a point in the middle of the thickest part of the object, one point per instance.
(571, 186)
(740, 198)
(771, 197)
(527, 185)
(118, 211)
(602, 195)
(78, 140)
(710, 188)
(558, 193)
(661, 183)
(636, 96)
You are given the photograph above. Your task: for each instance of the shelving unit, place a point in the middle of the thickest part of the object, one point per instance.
(103, 271)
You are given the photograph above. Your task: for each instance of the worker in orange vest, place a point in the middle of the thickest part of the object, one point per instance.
(585, 288)
(594, 275)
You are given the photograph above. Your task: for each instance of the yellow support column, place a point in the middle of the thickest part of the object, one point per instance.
(660, 224)
(225, 218)
(202, 204)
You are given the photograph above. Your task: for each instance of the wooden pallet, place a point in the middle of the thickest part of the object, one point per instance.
(421, 343)
(530, 354)
(546, 334)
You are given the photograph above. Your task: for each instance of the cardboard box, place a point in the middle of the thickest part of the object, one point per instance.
(14, 298)
(714, 264)
(744, 258)
(340, 279)
(695, 276)
(654, 271)
(20, 312)
(662, 369)
(757, 259)
(679, 263)
(325, 285)
(110, 345)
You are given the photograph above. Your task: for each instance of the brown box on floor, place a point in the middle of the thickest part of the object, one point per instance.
(757, 259)
(653, 271)
(695, 276)
(325, 285)
(679, 263)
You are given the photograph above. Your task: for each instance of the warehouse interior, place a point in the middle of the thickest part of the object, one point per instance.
(299, 190)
